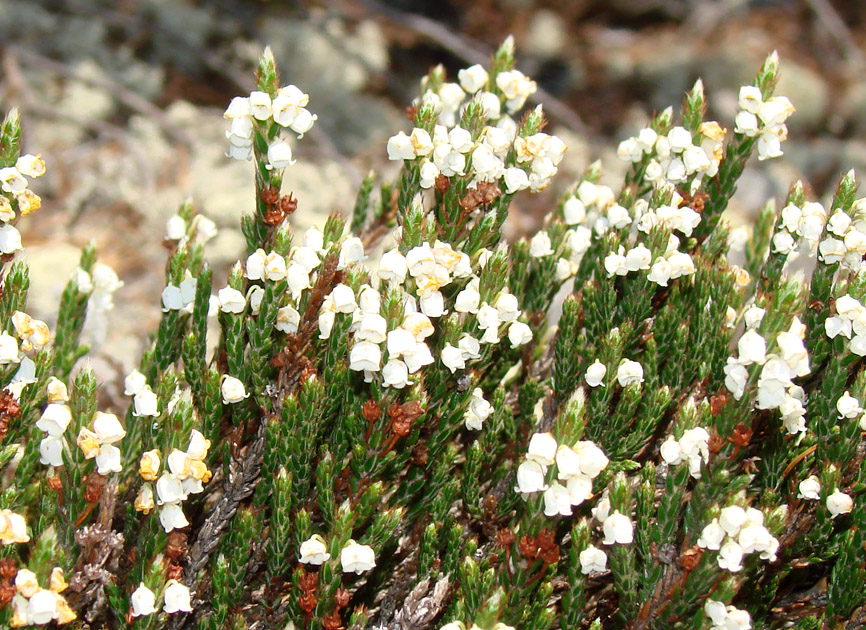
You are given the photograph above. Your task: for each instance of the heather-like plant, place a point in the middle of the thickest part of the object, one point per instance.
(394, 432)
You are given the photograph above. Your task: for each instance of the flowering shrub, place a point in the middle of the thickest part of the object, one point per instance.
(394, 432)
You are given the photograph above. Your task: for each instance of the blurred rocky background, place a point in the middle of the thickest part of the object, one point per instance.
(124, 99)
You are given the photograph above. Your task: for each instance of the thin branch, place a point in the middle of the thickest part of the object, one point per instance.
(841, 34)
(126, 96)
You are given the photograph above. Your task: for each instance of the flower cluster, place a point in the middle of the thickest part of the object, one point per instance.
(417, 280)
(692, 447)
(185, 475)
(496, 153)
(144, 400)
(776, 389)
(738, 532)
(677, 156)
(36, 606)
(845, 239)
(576, 466)
(850, 322)
(806, 222)
(764, 119)
(354, 557)
(99, 441)
(287, 110)
(15, 195)
(54, 420)
(176, 598)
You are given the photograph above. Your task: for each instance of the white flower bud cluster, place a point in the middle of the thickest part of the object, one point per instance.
(287, 109)
(446, 153)
(807, 223)
(845, 242)
(54, 420)
(776, 389)
(692, 447)
(37, 606)
(536, 157)
(676, 156)
(13, 188)
(594, 211)
(727, 617)
(419, 276)
(764, 120)
(576, 467)
(736, 533)
(184, 474)
(850, 322)
(99, 441)
(674, 215)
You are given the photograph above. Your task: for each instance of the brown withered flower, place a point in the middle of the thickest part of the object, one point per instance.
(505, 537)
(270, 195)
(332, 621)
(288, 204)
(528, 547)
(546, 538)
(93, 490)
(7, 592)
(690, 559)
(420, 455)
(308, 581)
(551, 555)
(8, 568)
(470, 201)
(442, 184)
(307, 601)
(718, 402)
(342, 597)
(371, 410)
(176, 545)
(488, 191)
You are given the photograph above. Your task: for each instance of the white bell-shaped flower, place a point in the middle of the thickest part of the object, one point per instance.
(314, 550)
(176, 598)
(355, 558)
(142, 601)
